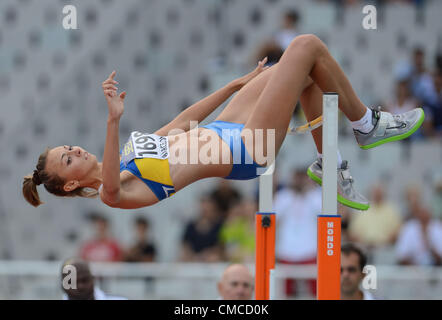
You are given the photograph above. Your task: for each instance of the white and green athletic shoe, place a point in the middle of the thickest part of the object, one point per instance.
(389, 127)
(347, 195)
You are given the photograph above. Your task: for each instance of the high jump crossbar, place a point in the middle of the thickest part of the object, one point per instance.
(328, 222)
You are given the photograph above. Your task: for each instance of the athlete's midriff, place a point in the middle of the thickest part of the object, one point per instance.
(184, 172)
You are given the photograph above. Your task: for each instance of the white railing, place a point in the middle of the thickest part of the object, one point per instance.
(42, 280)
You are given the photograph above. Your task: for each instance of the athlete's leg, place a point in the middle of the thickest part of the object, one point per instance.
(306, 55)
(383, 127)
(243, 103)
(241, 106)
(311, 103)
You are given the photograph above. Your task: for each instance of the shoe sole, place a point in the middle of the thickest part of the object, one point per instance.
(398, 137)
(341, 199)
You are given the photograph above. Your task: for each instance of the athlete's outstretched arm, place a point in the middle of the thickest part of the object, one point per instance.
(201, 109)
(111, 158)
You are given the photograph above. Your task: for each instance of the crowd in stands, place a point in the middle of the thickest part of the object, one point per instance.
(104, 247)
(224, 231)
(419, 85)
(349, 3)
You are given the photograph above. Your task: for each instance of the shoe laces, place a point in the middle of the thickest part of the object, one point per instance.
(377, 111)
(345, 172)
(397, 118)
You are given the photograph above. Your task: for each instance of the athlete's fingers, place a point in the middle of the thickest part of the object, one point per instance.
(107, 81)
(109, 86)
(263, 61)
(261, 65)
(110, 93)
(112, 75)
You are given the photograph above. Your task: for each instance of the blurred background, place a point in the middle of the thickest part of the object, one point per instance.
(169, 54)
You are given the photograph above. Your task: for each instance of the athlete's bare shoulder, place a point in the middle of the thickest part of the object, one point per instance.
(133, 193)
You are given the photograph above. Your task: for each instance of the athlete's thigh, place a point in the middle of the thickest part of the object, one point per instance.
(242, 104)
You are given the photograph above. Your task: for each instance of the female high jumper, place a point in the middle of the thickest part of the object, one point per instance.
(142, 173)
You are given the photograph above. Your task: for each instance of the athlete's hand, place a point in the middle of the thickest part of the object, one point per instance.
(115, 101)
(240, 82)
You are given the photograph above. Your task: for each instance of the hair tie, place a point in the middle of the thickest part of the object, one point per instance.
(36, 178)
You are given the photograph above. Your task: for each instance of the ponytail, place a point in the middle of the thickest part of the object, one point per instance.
(30, 191)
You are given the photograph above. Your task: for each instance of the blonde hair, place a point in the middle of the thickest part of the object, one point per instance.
(52, 183)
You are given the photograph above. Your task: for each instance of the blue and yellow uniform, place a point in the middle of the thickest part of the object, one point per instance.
(154, 172)
(244, 167)
(146, 157)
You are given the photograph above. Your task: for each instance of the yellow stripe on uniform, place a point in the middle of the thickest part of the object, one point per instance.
(156, 170)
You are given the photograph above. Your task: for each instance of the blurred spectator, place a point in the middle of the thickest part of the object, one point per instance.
(379, 3)
(421, 80)
(344, 3)
(277, 184)
(225, 195)
(413, 200)
(236, 283)
(420, 240)
(433, 105)
(200, 241)
(437, 199)
(380, 225)
(439, 59)
(403, 100)
(274, 47)
(238, 232)
(271, 50)
(353, 261)
(85, 287)
(102, 247)
(346, 215)
(296, 209)
(288, 30)
(424, 88)
(143, 250)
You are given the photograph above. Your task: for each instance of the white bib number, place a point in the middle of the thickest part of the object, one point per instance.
(150, 145)
(142, 145)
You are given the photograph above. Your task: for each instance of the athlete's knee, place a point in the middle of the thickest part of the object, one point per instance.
(308, 42)
(308, 83)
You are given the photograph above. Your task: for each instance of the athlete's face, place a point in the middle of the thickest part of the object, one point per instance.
(71, 163)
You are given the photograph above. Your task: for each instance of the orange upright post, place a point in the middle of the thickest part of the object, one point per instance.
(329, 257)
(265, 254)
